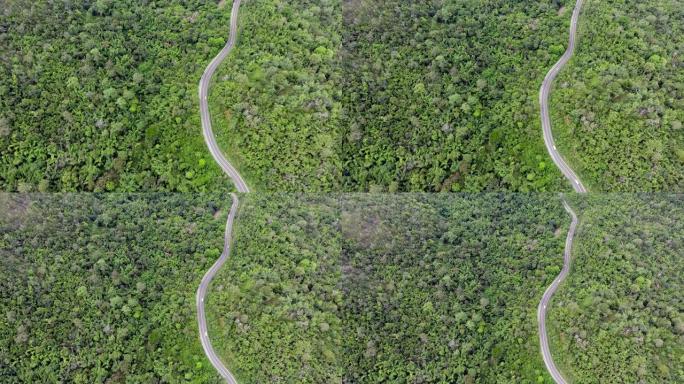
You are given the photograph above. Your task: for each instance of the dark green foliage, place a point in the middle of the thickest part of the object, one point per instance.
(273, 100)
(396, 96)
(274, 306)
(618, 108)
(382, 288)
(442, 95)
(100, 288)
(101, 96)
(619, 316)
(323, 95)
(444, 289)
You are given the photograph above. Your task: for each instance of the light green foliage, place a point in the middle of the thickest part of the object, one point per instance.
(274, 99)
(618, 108)
(102, 96)
(619, 316)
(274, 306)
(100, 288)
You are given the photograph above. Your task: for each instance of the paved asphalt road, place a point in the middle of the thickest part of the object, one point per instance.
(544, 103)
(209, 137)
(541, 310)
(202, 292)
(240, 185)
(576, 185)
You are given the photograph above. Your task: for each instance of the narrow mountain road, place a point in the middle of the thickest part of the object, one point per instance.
(240, 185)
(202, 293)
(548, 294)
(544, 93)
(577, 185)
(208, 133)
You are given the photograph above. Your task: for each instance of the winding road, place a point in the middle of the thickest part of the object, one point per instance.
(208, 133)
(544, 93)
(577, 185)
(240, 186)
(548, 294)
(202, 292)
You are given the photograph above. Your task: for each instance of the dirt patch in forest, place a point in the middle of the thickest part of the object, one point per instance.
(446, 184)
(218, 214)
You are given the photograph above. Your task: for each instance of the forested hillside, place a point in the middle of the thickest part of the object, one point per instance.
(101, 95)
(444, 289)
(390, 95)
(618, 108)
(273, 308)
(382, 288)
(442, 96)
(100, 288)
(324, 95)
(619, 318)
(274, 100)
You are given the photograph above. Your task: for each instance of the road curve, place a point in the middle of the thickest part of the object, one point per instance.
(208, 133)
(544, 104)
(202, 292)
(548, 294)
(240, 185)
(577, 185)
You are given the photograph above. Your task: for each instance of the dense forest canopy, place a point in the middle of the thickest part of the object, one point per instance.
(100, 288)
(391, 95)
(442, 95)
(619, 318)
(444, 288)
(275, 97)
(101, 95)
(383, 288)
(308, 100)
(321, 288)
(618, 108)
(273, 308)
(326, 95)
